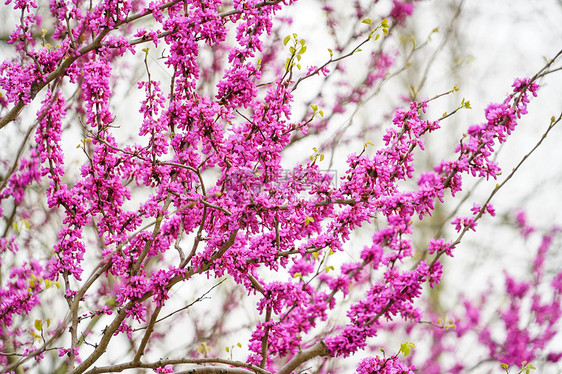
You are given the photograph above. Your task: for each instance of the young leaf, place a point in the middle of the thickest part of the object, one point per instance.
(406, 348)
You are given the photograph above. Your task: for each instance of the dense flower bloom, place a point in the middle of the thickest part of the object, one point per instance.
(188, 195)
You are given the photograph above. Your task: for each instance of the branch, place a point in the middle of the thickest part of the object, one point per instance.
(553, 123)
(147, 334)
(213, 370)
(317, 350)
(200, 298)
(194, 361)
(57, 334)
(122, 314)
(18, 156)
(322, 203)
(37, 86)
(229, 13)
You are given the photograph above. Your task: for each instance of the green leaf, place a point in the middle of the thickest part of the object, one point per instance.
(367, 21)
(38, 325)
(406, 348)
(204, 348)
(303, 49)
(286, 40)
(308, 220)
(527, 367)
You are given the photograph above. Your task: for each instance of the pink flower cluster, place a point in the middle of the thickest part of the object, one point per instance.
(524, 321)
(202, 191)
(379, 365)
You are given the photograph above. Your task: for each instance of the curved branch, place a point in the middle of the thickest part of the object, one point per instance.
(235, 369)
(317, 350)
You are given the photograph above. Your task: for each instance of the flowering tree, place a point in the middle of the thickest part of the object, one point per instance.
(110, 249)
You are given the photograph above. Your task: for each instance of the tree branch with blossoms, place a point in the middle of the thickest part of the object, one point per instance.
(191, 177)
